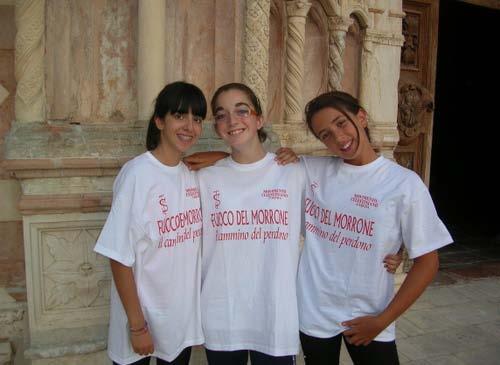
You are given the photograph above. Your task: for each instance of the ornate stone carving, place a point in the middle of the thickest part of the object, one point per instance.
(296, 14)
(256, 52)
(66, 279)
(409, 51)
(71, 273)
(30, 49)
(414, 100)
(338, 27)
(405, 159)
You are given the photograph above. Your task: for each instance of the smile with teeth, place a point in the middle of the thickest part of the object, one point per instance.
(185, 138)
(235, 132)
(346, 146)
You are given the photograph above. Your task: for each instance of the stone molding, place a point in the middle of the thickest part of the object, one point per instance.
(60, 167)
(296, 27)
(388, 39)
(65, 203)
(30, 66)
(256, 48)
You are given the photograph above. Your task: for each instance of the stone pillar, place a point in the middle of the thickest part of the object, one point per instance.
(296, 14)
(30, 50)
(256, 51)
(378, 90)
(337, 27)
(151, 72)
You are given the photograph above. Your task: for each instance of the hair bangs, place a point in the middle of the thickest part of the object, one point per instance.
(190, 99)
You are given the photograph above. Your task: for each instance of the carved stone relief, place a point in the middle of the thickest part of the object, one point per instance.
(73, 276)
(414, 100)
(67, 279)
(409, 51)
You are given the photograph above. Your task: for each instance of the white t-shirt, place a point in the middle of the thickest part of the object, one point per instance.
(354, 217)
(251, 230)
(154, 226)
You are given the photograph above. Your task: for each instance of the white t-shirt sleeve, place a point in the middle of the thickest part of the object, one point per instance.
(120, 233)
(422, 230)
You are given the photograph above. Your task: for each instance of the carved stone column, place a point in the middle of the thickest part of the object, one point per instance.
(151, 73)
(256, 51)
(337, 27)
(30, 50)
(379, 87)
(296, 13)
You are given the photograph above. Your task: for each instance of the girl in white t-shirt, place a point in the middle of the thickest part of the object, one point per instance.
(252, 210)
(152, 237)
(358, 208)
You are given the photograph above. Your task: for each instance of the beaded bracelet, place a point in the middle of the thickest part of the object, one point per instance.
(139, 331)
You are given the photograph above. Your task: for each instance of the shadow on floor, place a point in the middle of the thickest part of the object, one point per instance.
(469, 258)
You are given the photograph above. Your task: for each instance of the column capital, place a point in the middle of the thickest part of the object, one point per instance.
(297, 8)
(339, 23)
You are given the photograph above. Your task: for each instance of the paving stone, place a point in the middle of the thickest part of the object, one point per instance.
(445, 360)
(430, 320)
(474, 313)
(445, 296)
(407, 327)
(423, 346)
(471, 291)
(486, 355)
(469, 337)
(493, 328)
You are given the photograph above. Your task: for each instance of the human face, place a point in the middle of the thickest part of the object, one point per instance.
(179, 132)
(236, 121)
(343, 137)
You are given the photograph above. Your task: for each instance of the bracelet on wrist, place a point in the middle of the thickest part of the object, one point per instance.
(139, 331)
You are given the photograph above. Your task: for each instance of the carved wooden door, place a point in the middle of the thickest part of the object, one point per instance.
(417, 86)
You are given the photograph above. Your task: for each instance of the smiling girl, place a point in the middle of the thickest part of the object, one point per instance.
(152, 238)
(251, 225)
(370, 206)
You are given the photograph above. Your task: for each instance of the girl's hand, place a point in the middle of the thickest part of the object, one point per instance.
(363, 330)
(142, 343)
(392, 262)
(199, 160)
(285, 155)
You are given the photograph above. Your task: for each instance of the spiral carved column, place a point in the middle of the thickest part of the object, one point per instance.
(29, 53)
(296, 14)
(256, 52)
(338, 28)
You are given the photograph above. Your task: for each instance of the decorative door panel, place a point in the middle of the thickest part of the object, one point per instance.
(417, 86)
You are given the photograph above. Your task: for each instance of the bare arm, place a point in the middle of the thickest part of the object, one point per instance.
(363, 330)
(141, 340)
(200, 160)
